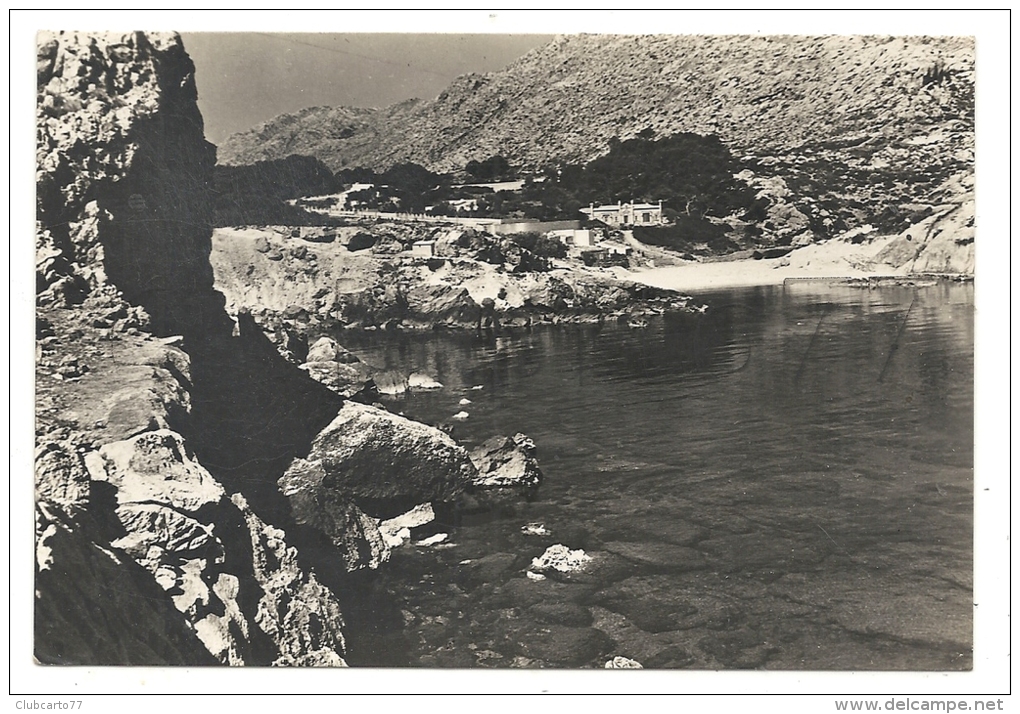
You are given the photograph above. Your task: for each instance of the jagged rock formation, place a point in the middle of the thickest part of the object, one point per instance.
(96, 605)
(171, 513)
(123, 176)
(162, 426)
(940, 243)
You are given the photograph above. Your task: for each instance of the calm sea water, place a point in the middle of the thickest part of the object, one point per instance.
(783, 482)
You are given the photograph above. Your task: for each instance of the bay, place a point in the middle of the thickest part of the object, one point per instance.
(782, 482)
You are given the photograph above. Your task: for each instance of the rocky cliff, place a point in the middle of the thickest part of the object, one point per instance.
(163, 425)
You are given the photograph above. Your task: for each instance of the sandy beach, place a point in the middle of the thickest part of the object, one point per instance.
(833, 259)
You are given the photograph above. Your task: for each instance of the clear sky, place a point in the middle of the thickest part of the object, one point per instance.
(247, 78)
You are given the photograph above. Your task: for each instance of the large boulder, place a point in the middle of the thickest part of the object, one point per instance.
(315, 234)
(442, 304)
(361, 241)
(507, 472)
(333, 513)
(368, 453)
(60, 475)
(941, 243)
(347, 380)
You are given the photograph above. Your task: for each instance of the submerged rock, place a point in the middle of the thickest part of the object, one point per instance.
(561, 559)
(623, 663)
(418, 380)
(397, 531)
(503, 462)
(563, 646)
(390, 383)
(562, 613)
(660, 556)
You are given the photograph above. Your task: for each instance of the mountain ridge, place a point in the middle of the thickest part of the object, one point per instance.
(565, 100)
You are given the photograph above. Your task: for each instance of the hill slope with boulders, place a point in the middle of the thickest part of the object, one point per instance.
(835, 133)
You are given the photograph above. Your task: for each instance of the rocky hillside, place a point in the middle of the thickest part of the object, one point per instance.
(836, 133)
(163, 425)
(564, 101)
(317, 131)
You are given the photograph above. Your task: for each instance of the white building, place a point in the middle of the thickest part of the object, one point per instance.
(423, 248)
(626, 214)
(572, 237)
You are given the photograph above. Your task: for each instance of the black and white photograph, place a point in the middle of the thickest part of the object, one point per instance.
(513, 342)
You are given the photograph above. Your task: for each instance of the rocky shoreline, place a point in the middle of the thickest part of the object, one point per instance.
(321, 279)
(200, 499)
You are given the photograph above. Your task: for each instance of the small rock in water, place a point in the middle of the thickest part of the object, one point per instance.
(390, 383)
(503, 462)
(464, 402)
(432, 540)
(534, 529)
(460, 415)
(397, 539)
(417, 516)
(418, 380)
(478, 386)
(397, 531)
(623, 663)
(560, 558)
(535, 576)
